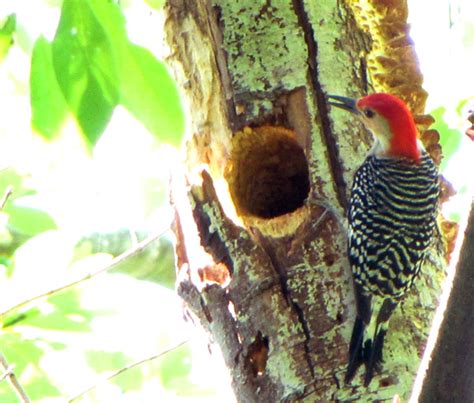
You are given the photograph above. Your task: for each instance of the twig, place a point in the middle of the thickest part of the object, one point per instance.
(115, 261)
(12, 380)
(6, 195)
(8, 373)
(125, 369)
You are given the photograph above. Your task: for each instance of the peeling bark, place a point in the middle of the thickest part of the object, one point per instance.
(262, 263)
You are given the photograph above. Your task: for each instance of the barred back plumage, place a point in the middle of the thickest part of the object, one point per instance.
(392, 218)
(392, 221)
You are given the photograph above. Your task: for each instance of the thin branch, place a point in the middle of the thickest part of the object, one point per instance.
(7, 370)
(125, 369)
(6, 195)
(12, 380)
(114, 262)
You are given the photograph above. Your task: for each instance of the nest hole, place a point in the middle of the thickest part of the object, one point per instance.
(269, 173)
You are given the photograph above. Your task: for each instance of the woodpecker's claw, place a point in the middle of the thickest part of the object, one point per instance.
(349, 104)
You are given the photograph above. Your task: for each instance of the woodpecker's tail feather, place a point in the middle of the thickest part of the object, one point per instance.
(373, 354)
(367, 341)
(365, 350)
(356, 349)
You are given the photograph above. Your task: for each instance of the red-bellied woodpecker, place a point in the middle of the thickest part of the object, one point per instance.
(392, 221)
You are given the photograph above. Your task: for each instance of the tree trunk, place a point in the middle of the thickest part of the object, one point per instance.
(450, 376)
(261, 244)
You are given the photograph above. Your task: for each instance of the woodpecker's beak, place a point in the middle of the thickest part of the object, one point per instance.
(348, 104)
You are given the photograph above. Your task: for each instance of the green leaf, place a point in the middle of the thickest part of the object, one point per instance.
(95, 67)
(67, 315)
(19, 351)
(450, 139)
(150, 94)
(39, 387)
(154, 264)
(16, 318)
(27, 220)
(85, 62)
(156, 4)
(111, 18)
(56, 321)
(9, 177)
(164, 273)
(175, 368)
(9, 25)
(25, 355)
(8, 264)
(102, 361)
(6, 35)
(48, 106)
(130, 380)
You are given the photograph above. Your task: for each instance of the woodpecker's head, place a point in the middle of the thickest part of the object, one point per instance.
(389, 119)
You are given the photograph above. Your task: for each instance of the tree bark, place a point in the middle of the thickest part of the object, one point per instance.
(450, 376)
(261, 244)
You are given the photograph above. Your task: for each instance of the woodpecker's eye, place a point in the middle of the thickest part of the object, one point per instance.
(369, 113)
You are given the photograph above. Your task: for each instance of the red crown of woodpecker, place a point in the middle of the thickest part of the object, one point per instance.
(400, 120)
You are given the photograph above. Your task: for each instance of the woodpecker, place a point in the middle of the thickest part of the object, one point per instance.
(392, 221)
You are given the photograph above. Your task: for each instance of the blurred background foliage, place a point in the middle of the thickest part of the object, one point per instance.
(90, 122)
(90, 125)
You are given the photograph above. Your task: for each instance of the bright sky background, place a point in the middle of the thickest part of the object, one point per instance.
(443, 32)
